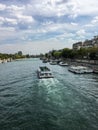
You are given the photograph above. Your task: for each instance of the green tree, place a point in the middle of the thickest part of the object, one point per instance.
(20, 53)
(57, 54)
(82, 53)
(66, 53)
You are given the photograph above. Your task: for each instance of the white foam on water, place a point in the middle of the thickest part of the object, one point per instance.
(48, 82)
(51, 85)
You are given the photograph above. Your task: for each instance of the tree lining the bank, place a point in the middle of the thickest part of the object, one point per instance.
(82, 53)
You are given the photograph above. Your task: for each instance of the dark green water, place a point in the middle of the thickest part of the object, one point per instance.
(67, 102)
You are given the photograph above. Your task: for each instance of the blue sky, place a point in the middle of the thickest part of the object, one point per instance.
(37, 26)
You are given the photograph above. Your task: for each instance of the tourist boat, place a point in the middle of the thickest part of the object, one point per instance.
(63, 64)
(80, 69)
(44, 72)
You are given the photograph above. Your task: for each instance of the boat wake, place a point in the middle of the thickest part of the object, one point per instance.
(52, 86)
(48, 82)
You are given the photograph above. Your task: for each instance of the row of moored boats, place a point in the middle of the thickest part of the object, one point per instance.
(45, 72)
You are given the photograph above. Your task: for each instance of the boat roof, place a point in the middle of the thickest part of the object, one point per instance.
(44, 68)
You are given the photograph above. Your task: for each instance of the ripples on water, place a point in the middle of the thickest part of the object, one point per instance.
(65, 102)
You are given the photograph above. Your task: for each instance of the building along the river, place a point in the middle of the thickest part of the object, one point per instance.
(86, 44)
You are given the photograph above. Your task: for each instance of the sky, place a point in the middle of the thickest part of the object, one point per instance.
(38, 26)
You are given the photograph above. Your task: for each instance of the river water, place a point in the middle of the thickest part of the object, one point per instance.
(66, 102)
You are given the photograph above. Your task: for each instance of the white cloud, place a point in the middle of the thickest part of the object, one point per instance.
(73, 8)
(16, 8)
(47, 8)
(65, 35)
(1, 20)
(87, 7)
(74, 24)
(89, 25)
(12, 21)
(49, 27)
(81, 32)
(8, 20)
(2, 7)
(81, 35)
(47, 23)
(7, 29)
(16, 14)
(95, 20)
(24, 18)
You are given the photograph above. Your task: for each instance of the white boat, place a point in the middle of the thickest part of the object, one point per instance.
(44, 72)
(88, 70)
(63, 64)
(53, 63)
(76, 69)
(80, 69)
(95, 70)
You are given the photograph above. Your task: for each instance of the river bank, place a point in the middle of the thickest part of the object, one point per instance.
(10, 60)
(6, 60)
